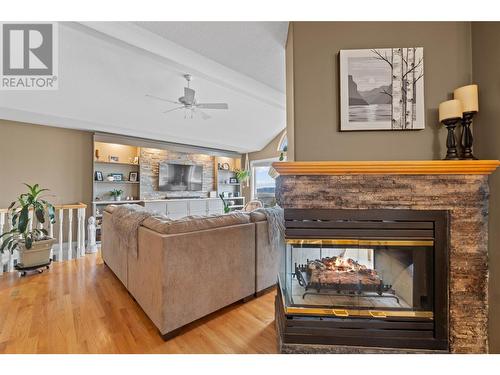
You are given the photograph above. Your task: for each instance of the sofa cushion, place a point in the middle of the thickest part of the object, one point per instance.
(256, 216)
(163, 225)
(110, 208)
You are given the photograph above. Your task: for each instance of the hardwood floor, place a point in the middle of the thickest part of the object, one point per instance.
(79, 306)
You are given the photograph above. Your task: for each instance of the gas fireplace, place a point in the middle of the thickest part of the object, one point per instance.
(367, 277)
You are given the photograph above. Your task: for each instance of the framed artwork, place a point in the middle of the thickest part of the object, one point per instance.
(113, 159)
(98, 176)
(382, 89)
(117, 176)
(132, 176)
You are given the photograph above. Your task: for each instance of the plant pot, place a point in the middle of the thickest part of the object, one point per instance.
(37, 255)
(118, 197)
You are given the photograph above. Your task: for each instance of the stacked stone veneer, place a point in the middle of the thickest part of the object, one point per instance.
(149, 168)
(465, 196)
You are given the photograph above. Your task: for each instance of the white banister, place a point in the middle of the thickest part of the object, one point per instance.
(82, 231)
(78, 233)
(2, 223)
(30, 220)
(60, 252)
(64, 243)
(70, 234)
(10, 266)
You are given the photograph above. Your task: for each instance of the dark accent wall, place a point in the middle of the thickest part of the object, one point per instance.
(315, 86)
(486, 73)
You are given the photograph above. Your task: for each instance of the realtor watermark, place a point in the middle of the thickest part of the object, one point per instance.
(29, 54)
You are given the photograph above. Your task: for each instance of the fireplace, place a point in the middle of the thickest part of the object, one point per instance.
(388, 256)
(365, 278)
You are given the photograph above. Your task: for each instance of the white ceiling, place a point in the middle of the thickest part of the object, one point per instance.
(252, 48)
(106, 68)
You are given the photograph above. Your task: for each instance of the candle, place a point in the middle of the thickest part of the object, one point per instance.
(469, 98)
(450, 109)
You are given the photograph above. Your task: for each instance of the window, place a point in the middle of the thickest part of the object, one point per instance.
(263, 185)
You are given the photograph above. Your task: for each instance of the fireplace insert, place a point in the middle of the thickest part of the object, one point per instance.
(365, 278)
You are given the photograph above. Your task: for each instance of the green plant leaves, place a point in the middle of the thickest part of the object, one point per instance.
(23, 219)
(19, 214)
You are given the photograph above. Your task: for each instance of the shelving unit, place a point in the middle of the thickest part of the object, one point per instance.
(127, 155)
(222, 176)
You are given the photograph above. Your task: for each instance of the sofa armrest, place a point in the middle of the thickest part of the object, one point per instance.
(267, 258)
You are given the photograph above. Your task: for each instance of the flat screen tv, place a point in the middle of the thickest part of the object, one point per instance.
(180, 177)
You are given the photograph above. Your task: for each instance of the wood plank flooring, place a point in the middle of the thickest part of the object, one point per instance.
(79, 306)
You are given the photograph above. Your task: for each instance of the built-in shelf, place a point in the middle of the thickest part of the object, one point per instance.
(116, 202)
(236, 206)
(116, 163)
(116, 182)
(229, 198)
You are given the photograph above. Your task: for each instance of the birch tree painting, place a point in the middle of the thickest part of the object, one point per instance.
(382, 89)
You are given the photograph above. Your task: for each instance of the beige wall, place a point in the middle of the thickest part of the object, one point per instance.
(57, 159)
(289, 71)
(486, 63)
(315, 47)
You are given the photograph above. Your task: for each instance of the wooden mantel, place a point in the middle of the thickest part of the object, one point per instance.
(407, 167)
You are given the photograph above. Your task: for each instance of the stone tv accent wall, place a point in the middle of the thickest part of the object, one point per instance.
(465, 196)
(149, 167)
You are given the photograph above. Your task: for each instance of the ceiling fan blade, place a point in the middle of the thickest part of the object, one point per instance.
(163, 100)
(173, 109)
(188, 95)
(213, 105)
(203, 115)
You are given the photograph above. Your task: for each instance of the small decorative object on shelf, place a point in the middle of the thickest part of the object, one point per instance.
(225, 166)
(116, 194)
(136, 160)
(450, 112)
(98, 176)
(233, 180)
(117, 176)
(468, 96)
(110, 178)
(91, 235)
(97, 154)
(113, 159)
(132, 176)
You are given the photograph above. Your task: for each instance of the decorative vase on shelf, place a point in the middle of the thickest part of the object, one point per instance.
(118, 197)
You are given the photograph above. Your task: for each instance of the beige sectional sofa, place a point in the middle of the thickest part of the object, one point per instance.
(186, 269)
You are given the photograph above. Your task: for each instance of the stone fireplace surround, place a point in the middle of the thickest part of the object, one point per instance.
(461, 187)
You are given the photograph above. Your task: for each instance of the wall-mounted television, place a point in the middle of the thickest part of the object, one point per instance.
(180, 177)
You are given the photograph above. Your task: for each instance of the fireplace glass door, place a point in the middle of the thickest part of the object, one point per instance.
(358, 277)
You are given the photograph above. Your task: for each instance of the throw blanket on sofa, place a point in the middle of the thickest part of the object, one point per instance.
(127, 219)
(275, 225)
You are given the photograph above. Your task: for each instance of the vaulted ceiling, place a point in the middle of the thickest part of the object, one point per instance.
(107, 68)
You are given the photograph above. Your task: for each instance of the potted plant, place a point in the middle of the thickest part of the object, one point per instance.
(34, 246)
(227, 209)
(116, 194)
(242, 175)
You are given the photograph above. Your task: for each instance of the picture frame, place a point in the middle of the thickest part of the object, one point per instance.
(382, 89)
(113, 159)
(117, 176)
(98, 176)
(133, 176)
(233, 180)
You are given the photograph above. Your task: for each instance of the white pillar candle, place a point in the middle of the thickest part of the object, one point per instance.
(469, 98)
(450, 109)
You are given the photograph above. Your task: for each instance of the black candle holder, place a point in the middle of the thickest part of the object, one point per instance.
(467, 138)
(451, 143)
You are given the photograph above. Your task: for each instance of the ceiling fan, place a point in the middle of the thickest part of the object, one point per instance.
(189, 103)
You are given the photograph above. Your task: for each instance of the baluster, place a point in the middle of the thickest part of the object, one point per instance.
(10, 266)
(51, 235)
(78, 233)
(2, 223)
(70, 233)
(83, 231)
(30, 218)
(60, 250)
